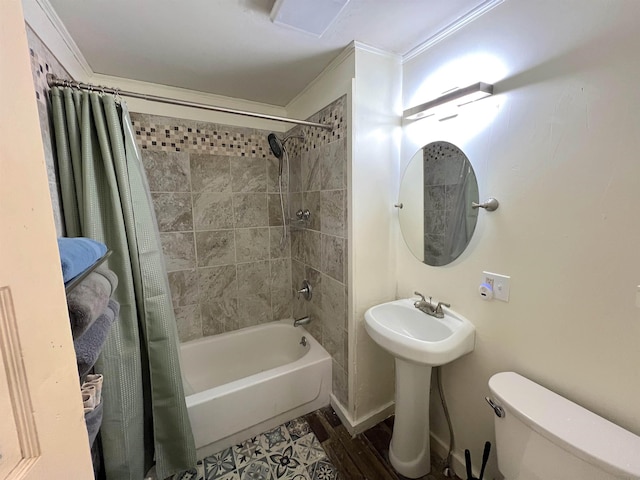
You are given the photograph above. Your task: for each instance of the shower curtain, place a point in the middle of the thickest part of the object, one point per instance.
(105, 196)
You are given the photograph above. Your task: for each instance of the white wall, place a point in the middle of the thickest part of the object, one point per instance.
(373, 226)
(558, 147)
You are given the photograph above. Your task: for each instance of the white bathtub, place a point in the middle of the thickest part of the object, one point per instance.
(241, 383)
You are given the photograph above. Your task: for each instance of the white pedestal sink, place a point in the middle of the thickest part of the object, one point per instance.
(418, 342)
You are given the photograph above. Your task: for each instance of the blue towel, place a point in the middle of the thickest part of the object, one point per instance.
(78, 254)
(89, 345)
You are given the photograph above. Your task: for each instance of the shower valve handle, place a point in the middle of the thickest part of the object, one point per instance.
(306, 290)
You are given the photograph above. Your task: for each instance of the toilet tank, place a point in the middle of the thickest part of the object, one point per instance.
(543, 436)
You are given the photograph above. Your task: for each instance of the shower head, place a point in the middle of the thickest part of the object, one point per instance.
(276, 147)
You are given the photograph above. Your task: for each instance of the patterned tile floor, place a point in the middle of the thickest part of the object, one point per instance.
(289, 451)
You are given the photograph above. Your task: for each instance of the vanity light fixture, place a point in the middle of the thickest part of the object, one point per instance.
(459, 96)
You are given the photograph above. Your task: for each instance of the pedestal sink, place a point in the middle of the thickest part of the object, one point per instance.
(418, 342)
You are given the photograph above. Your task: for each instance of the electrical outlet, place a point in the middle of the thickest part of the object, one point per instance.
(501, 285)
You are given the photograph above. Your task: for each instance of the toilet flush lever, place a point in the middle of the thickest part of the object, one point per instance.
(499, 411)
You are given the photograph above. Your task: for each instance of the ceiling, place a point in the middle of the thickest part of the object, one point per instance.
(231, 47)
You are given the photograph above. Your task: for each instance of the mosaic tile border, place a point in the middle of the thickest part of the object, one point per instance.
(290, 451)
(171, 135)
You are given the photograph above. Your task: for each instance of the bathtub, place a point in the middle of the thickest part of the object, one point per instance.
(241, 383)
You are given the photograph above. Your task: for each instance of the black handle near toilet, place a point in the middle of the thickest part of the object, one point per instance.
(485, 458)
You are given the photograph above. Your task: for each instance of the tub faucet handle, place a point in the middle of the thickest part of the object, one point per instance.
(306, 290)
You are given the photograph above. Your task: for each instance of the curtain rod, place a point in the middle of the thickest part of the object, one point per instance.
(54, 81)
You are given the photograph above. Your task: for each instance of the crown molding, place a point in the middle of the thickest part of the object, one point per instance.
(46, 23)
(335, 63)
(450, 29)
(363, 47)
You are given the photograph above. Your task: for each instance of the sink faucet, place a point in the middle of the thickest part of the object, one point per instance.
(429, 308)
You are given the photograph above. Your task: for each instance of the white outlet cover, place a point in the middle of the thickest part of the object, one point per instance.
(501, 285)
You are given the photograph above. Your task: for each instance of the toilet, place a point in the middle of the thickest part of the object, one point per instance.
(543, 436)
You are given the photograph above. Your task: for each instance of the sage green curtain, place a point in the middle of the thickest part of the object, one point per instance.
(105, 196)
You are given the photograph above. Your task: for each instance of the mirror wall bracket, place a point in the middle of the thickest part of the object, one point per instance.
(490, 205)
(459, 96)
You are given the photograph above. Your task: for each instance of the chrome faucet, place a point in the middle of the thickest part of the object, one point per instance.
(429, 308)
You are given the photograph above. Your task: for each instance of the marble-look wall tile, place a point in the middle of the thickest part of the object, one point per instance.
(311, 179)
(248, 174)
(179, 251)
(252, 244)
(281, 304)
(332, 256)
(300, 306)
(219, 315)
(279, 248)
(250, 210)
(295, 169)
(319, 247)
(280, 275)
(275, 209)
(333, 163)
(211, 173)
(334, 304)
(216, 283)
(312, 249)
(254, 309)
(212, 211)
(311, 202)
(333, 342)
(253, 278)
(314, 277)
(244, 273)
(188, 322)
(297, 244)
(216, 247)
(273, 175)
(333, 212)
(173, 211)
(167, 171)
(184, 287)
(339, 383)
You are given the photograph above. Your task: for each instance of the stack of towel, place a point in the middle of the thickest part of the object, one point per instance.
(92, 311)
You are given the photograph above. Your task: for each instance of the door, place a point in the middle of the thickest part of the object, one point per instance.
(42, 431)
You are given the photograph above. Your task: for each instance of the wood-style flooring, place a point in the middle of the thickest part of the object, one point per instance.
(365, 456)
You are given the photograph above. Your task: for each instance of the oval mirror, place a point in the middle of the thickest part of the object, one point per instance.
(436, 193)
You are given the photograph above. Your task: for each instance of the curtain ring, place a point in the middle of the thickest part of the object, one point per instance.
(117, 97)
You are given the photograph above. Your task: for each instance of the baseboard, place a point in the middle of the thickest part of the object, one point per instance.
(365, 423)
(441, 448)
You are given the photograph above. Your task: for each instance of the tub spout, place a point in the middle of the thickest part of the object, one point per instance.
(302, 321)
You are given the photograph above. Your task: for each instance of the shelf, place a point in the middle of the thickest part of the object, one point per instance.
(73, 283)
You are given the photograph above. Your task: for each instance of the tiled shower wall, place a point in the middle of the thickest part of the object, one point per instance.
(319, 246)
(214, 188)
(43, 62)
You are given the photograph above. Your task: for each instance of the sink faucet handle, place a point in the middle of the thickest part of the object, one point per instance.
(421, 296)
(440, 305)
